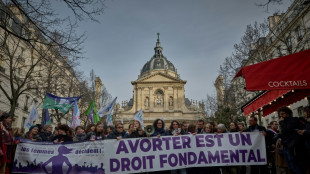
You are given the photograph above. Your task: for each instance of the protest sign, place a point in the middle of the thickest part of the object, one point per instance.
(40, 157)
(175, 152)
(141, 154)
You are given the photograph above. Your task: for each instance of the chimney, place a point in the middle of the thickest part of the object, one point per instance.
(273, 20)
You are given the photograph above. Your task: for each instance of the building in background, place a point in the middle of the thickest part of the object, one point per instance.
(289, 33)
(159, 92)
(29, 69)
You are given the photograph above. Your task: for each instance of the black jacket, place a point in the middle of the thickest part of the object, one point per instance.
(64, 138)
(255, 128)
(289, 127)
(46, 136)
(114, 134)
(135, 134)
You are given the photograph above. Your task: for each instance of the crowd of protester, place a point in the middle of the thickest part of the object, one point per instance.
(288, 150)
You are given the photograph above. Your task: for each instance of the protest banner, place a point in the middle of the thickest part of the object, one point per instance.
(141, 154)
(175, 152)
(40, 157)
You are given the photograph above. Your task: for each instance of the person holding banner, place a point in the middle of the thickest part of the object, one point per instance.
(233, 127)
(63, 135)
(47, 134)
(90, 131)
(200, 126)
(209, 129)
(79, 134)
(33, 134)
(175, 130)
(254, 127)
(138, 131)
(159, 126)
(131, 129)
(99, 132)
(118, 133)
(6, 143)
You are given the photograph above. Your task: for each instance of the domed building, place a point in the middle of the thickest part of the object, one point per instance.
(159, 92)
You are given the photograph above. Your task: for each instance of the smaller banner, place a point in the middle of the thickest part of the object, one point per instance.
(175, 152)
(108, 110)
(76, 121)
(139, 117)
(33, 115)
(39, 157)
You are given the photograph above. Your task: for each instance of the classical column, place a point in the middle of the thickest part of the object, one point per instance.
(175, 98)
(136, 99)
(166, 106)
(139, 98)
(151, 99)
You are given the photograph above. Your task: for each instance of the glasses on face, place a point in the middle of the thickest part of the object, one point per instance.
(159, 123)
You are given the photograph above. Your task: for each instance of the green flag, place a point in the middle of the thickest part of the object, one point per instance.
(91, 112)
(64, 104)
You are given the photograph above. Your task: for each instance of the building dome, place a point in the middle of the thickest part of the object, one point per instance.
(157, 62)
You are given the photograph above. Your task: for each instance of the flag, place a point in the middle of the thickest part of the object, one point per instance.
(75, 116)
(91, 115)
(139, 117)
(33, 115)
(64, 104)
(46, 118)
(92, 112)
(107, 110)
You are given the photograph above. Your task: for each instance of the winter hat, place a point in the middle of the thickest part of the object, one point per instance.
(31, 127)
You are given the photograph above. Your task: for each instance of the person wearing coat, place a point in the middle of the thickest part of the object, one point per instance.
(305, 133)
(293, 150)
(6, 143)
(118, 133)
(33, 134)
(79, 134)
(63, 135)
(159, 128)
(47, 134)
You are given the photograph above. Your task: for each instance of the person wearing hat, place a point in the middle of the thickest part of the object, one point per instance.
(6, 143)
(33, 134)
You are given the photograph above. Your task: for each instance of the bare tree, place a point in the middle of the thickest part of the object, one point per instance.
(31, 35)
(261, 42)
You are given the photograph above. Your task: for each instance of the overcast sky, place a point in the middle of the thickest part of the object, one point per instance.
(196, 36)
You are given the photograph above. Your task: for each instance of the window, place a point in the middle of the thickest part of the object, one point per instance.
(289, 42)
(159, 92)
(23, 123)
(298, 33)
(279, 51)
(270, 40)
(26, 103)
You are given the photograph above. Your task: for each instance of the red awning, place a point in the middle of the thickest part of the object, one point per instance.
(288, 99)
(287, 72)
(263, 100)
(271, 101)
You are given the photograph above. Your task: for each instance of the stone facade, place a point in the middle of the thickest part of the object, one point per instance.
(159, 92)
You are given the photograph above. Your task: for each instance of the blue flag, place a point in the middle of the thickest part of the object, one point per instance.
(46, 118)
(107, 110)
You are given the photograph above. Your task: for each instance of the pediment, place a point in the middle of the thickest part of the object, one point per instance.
(159, 77)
